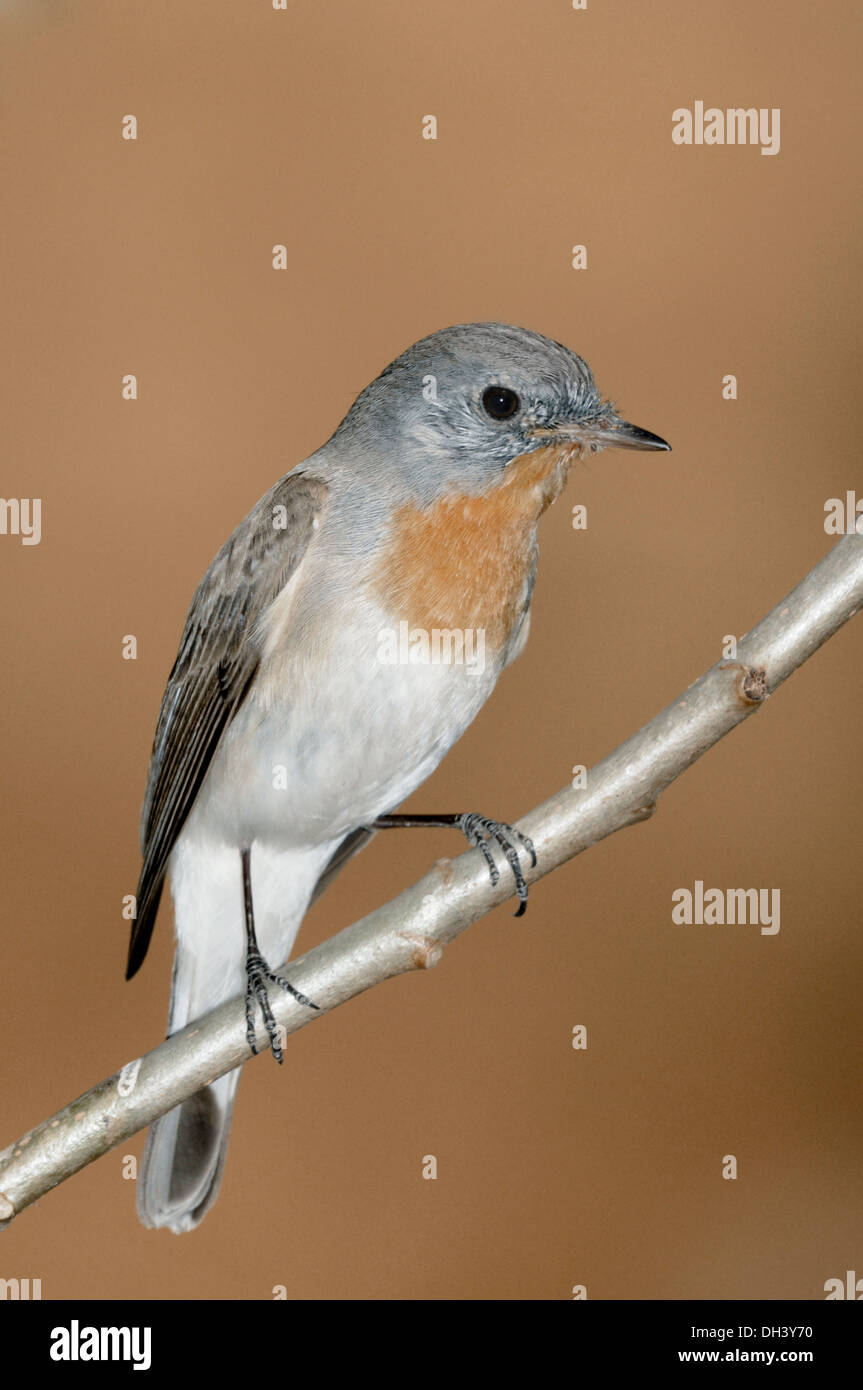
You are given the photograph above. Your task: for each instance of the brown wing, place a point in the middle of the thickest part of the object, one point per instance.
(216, 662)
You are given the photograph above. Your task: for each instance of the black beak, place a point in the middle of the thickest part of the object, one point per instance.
(626, 436)
(604, 433)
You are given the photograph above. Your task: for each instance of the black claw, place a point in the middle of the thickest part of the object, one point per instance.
(257, 975)
(479, 832)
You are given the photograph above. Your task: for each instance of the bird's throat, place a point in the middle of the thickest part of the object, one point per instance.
(466, 560)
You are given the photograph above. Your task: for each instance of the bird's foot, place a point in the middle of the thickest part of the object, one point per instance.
(258, 974)
(481, 833)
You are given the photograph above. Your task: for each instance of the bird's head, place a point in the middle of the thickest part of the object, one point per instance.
(459, 406)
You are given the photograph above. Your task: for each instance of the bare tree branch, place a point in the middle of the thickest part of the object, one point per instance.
(411, 931)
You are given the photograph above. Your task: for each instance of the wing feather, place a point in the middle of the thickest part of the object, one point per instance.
(216, 663)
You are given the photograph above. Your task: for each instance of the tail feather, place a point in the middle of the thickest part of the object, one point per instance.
(184, 1158)
(184, 1155)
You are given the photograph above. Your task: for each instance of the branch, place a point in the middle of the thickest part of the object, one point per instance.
(411, 931)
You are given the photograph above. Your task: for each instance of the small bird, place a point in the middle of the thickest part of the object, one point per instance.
(293, 724)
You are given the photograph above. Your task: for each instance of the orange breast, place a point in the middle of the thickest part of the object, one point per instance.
(463, 561)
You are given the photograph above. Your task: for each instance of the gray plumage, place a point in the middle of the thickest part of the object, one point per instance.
(276, 667)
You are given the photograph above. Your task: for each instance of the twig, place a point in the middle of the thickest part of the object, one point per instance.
(411, 931)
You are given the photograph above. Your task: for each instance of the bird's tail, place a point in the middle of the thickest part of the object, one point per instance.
(184, 1155)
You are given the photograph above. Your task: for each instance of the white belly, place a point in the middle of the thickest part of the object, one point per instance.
(335, 738)
(329, 738)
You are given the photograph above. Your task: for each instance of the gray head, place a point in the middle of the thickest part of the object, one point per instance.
(462, 403)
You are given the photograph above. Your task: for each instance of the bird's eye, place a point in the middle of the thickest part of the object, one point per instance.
(499, 402)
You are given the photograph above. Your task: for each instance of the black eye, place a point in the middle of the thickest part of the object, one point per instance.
(499, 402)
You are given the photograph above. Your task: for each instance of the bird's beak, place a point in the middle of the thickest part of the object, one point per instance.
(605, 433)
(626, 436)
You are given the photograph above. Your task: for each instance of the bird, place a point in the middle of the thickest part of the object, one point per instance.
(288, 733)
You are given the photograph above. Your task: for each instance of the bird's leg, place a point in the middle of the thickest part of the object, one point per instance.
(258, 973)
(480, 833)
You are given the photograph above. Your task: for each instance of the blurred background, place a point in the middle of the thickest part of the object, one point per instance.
(256, 127)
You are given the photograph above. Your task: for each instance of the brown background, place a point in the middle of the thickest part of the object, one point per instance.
(257, 127)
